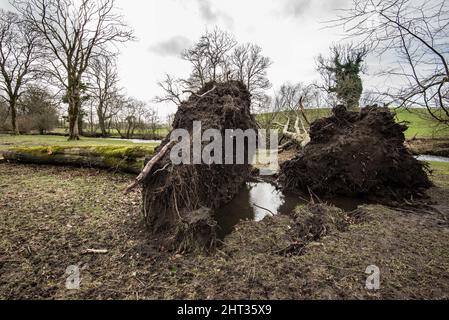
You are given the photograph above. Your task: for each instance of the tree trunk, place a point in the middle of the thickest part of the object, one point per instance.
(80, 122)
(101, 121)
(14, 123)
(82, 156)
(73, 126)
(74, 110)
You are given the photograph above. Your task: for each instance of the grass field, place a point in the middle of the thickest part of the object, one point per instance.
(421, 125)
(114, 133)
(8, 142)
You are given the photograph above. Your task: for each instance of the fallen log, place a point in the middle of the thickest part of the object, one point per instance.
(124, 159)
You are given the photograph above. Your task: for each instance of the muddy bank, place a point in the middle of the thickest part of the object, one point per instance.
(357, 154)
(432, 147)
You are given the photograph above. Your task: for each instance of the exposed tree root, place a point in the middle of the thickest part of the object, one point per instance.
(178, 200)
(357, 154)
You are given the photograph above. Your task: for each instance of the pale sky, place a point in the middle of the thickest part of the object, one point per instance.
(290, 32)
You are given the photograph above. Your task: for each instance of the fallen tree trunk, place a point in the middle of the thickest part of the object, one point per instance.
(124, 159)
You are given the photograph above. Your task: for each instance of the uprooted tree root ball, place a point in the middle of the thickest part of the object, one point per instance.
(178, 200)
(357, 154)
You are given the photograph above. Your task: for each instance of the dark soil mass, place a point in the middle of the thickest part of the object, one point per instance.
(357, 154)
(180, 198)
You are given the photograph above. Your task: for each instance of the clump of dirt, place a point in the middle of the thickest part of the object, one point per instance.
(287, 235)
(179, 199)
(357, 154)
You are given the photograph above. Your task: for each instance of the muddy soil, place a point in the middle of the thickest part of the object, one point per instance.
(51, 216)
(357, 154)
(179, 199)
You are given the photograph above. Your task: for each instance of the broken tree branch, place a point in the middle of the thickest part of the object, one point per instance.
(269, 211)
(202, 95)
(302, 138)
(95, 251)
(302, 108)
(149, 166)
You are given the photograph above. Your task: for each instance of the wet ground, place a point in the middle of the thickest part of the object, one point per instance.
(258, 200)
(51, 216)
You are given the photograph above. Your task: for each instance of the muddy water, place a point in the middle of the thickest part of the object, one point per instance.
(258, 200)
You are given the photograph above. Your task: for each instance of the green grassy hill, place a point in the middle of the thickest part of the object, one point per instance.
(419, 121)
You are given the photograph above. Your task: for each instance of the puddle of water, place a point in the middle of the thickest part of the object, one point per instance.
(432, 158)
(258, 200)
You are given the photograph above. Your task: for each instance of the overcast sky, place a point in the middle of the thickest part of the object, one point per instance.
(290, 32)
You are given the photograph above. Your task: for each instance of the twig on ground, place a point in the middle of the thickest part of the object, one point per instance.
(95, 251)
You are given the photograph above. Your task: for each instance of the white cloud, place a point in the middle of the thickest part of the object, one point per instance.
(292, 41)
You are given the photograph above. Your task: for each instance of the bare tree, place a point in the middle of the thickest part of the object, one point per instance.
(130, 117)
(74, 32)
(215, 57)
(152, 120)
(416, 33)
(38, 108)
(269, 112)
(103, 88)
(250, 67)
(4, 114)
(215, 45)
(173, 89)
(170, 120)
(18, 54)
(200, 65)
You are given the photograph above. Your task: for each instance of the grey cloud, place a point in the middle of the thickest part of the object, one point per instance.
(213, 15)
(296, 8)
(171, 47)
(302, 8)
(206, 11)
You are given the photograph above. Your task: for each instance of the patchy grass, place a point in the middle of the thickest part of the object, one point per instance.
(440, 168)
(421, 124)
(9, 141)
(113, 132)
(52, 215)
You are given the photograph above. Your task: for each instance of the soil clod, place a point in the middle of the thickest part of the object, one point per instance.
(357, 154)
(179, 199)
